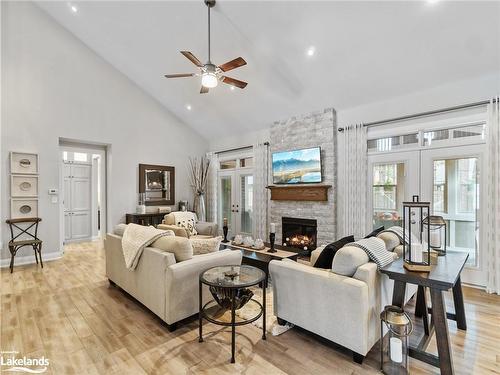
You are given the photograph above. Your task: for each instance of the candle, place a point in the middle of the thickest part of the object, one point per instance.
(396, 350)
(416, 252)
(435, 239)
(273, 228)
(225, 221)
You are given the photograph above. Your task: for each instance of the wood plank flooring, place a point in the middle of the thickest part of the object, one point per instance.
(69, 313)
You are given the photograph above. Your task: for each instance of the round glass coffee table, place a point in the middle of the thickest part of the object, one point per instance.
(229, 286)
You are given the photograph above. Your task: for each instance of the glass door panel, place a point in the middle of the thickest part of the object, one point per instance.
(456, 198)
(388, 193)
(226, 201)
(451, 181)
(246, 206)
(393, 178)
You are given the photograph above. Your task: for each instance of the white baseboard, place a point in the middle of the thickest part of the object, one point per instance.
(30, 259)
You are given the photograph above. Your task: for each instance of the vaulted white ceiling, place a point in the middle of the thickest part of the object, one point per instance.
(365, 52)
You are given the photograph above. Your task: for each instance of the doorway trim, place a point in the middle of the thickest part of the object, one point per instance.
(94, 148)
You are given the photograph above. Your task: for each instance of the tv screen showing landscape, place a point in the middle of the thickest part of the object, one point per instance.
(297, 166)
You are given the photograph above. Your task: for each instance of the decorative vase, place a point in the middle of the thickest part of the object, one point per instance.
(199, 206)
(272, 238)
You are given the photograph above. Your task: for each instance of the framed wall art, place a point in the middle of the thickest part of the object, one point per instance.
(23, 163)
(23, 186)
(23, 208)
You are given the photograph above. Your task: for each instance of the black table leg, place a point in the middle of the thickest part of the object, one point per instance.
(441, 327)
(419, 308)
(458, 301)
(264, 310)
(200, 317)
(233, 327)
(398, 293)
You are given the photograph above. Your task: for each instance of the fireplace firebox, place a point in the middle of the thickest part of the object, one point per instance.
(299, 233)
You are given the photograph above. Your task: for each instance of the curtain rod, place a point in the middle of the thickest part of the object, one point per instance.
(424, 114)
(237, 149)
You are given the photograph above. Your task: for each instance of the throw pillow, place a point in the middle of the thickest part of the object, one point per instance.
(180, 246)
(205, 245)
(348, 259)
(391, 239)
(375, 232)
(189, 225)
(375, 249)
(120, 229)
(325, 259)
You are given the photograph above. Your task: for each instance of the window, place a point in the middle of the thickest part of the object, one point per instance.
(228, 164)
(80, 156)
(246, 162)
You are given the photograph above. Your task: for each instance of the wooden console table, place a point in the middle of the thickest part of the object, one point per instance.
(442, 277)
(145, 219)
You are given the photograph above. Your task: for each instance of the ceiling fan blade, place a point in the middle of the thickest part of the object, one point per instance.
(203, 90)
(234, 82)
(179, 75)
(192, 58)
(233, 64)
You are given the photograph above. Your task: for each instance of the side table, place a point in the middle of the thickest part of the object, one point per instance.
(445, 275)
(230, 285)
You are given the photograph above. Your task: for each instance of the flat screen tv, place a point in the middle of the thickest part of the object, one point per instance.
(297, 166)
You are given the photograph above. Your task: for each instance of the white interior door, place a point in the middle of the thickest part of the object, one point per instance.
(77, 201)
(451, 181)
(393, 178)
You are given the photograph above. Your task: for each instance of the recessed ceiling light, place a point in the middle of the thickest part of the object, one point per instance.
(311, 51)
(231, 88)
(188, 107)
(432, 1)
(73, 8)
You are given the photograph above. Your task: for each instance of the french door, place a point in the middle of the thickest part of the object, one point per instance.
(452, 183)
(236, 201)
(450, 179)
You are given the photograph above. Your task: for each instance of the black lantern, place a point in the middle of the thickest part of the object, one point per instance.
(437, 239)
(394, 355)
(416, 256)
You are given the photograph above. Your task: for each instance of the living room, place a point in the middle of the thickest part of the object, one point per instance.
(242, 187)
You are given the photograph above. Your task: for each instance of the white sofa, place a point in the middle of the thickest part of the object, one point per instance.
(342, 309)
(166, 287)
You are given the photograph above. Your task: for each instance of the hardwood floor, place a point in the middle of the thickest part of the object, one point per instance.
(70, 314)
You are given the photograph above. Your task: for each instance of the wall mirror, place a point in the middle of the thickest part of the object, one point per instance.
(157, 183)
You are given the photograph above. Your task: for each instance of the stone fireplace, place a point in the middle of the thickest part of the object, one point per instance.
(306, 131)
(299, 233)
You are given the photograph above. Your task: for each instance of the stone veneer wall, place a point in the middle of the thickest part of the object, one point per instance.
(305, 131)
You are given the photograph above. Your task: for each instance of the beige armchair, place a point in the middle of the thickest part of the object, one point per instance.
(205, 229)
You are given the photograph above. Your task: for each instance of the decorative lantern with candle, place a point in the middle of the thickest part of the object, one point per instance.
(225, 230)
(416, 256)
(394, 355)
(437, 226)
(272, 237)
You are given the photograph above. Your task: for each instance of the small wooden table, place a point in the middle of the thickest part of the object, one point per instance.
(443, 276)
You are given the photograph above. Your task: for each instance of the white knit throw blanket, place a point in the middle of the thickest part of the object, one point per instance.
(135, 239)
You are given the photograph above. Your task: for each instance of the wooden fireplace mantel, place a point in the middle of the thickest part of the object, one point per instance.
(299, 192)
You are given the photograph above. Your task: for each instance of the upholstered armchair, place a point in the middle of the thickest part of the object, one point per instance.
(179, 221)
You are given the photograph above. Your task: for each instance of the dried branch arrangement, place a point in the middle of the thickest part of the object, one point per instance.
(198, 168)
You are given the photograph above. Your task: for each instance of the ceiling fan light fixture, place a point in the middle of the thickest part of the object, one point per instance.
(209, 80)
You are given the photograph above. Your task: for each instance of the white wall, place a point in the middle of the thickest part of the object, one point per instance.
(54, 86)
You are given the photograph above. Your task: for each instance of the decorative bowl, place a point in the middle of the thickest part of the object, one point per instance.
(223, 297)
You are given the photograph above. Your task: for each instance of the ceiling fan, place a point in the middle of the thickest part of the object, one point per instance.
(210, 73)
